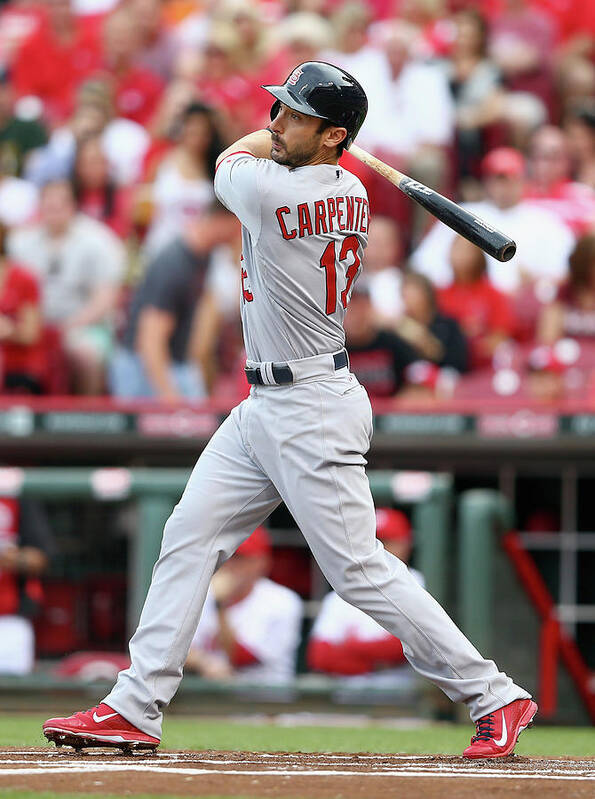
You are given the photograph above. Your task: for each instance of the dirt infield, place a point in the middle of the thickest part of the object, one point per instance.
(284, 775)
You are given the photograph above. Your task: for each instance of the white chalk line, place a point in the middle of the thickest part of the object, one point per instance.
(217, 762)
(52, 752)
(432, 768)
(191, 772)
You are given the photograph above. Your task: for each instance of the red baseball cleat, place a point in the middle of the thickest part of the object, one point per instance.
(100, 726)
(498, 732)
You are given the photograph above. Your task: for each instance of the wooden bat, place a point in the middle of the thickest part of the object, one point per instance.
(492, 241)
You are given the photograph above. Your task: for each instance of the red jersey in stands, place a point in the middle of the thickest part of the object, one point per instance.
(19, 288)
(52, 69)
(573, 203)
(138, 92)
(573, 17)
(480, 309)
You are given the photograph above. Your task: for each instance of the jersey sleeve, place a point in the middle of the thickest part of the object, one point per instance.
(237, 187)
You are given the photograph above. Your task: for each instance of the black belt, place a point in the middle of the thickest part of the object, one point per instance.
(282, 373)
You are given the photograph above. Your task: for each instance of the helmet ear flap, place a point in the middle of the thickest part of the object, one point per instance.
(275, 109)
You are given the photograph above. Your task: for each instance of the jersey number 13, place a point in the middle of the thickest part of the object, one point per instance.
(328, 262)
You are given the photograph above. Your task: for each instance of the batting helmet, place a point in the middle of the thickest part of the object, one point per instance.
(322, 90)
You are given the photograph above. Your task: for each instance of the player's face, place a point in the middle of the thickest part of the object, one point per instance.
(297, 138)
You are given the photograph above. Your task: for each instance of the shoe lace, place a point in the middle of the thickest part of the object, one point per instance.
(485, 728)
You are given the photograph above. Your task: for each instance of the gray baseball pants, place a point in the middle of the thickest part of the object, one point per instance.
(304, 444)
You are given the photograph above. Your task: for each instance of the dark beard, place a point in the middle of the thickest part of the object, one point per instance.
(298, 157)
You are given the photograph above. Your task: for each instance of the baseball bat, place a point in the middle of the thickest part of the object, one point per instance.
(490, 240)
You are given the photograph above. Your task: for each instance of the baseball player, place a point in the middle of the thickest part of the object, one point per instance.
(300, 437)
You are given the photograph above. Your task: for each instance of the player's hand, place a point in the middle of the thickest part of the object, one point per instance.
(223, 586)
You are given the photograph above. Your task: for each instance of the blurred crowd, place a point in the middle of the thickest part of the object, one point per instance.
(119, 272)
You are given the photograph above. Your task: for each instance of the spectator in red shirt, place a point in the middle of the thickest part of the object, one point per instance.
(62, 52)
(95, 192)
(21, 362)
(484, 313)
(137, 89)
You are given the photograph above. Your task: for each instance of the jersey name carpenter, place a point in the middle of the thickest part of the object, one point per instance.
(349, 213)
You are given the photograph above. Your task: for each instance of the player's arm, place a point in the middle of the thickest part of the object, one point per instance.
(257, 144)
(237, 183)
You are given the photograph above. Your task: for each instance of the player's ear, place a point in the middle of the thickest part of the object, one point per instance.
(334, 136)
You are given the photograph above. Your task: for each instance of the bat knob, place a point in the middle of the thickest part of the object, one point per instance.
(507, 252)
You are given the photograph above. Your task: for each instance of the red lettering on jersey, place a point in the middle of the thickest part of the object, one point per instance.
(246, 293)
(320, 217)
(359, 201)
(304, 220)
(349, 202)
(332, 212)
(287, 235)
(340, 212)
(365, 217)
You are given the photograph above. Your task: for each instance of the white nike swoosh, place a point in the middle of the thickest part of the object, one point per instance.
(98, 719)
(502, 741)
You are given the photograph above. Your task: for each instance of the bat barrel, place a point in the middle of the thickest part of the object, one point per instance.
(471, 227)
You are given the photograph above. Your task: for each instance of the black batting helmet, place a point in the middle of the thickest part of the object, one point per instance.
(322, 90)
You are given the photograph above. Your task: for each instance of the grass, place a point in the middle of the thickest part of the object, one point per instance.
(199, 734)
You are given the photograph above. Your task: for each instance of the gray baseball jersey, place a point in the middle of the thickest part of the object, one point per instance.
(303, 235)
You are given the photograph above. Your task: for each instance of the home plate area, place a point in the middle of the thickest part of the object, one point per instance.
(320, 776)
